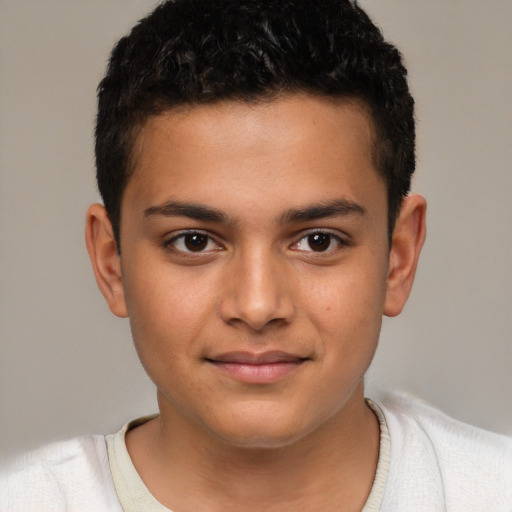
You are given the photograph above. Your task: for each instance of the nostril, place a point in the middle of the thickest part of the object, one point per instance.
(256, 315)
(256, 293)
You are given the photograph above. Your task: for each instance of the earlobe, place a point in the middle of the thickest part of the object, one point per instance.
(407, 241)
(105, 259)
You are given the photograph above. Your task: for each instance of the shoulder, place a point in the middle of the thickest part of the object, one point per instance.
(463, 467)
(70, 475)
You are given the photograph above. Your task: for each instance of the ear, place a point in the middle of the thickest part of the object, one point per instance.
(407, 241)
(105, 259)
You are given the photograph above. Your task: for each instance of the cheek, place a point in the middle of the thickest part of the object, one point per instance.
(346, 306)
(167, 310)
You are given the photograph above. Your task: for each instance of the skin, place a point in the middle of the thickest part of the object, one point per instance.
(252, 183)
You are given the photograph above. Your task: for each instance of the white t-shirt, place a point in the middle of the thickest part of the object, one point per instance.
(427, 462)
(134, 496)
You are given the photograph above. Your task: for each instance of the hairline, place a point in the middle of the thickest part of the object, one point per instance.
(162, 108)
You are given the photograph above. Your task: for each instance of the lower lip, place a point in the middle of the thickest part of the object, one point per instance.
(257, 373)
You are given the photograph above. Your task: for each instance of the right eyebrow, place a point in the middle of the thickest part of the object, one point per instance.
(335, 208)
(190, 210)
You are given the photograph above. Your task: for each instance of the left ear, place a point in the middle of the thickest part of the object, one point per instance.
(105, 259)
(406, 243)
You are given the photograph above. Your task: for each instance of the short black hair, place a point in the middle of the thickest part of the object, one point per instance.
(203, 51)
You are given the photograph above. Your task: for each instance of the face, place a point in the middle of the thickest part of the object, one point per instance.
(254, 259)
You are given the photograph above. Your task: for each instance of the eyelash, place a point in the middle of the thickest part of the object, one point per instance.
(171, 244)
(340, 242)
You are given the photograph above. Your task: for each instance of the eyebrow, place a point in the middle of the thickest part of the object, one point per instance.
(190, 210)
(338, 207)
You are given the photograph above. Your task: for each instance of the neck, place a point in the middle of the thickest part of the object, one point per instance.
(331, 467)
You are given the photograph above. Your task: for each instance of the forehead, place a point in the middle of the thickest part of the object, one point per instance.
(288, 149)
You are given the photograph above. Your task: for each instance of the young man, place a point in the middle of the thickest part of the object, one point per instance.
(255, 158)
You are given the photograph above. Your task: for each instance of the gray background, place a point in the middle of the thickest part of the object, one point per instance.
(67, 366)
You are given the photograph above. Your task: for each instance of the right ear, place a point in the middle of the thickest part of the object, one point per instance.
(105, 258)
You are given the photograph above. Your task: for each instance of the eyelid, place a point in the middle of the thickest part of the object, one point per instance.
(168, 243)
(342, 241)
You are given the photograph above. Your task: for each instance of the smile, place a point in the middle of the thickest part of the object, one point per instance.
(262, 368)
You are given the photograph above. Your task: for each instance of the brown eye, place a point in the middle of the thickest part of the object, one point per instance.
(195, 241)
(319, 242)
(192, 242)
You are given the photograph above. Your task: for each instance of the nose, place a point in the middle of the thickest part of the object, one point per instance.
(257, 291)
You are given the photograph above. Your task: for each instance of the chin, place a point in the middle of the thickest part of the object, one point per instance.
(260, 440)
(262, 432)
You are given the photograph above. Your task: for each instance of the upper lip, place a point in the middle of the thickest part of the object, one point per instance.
(269, 357)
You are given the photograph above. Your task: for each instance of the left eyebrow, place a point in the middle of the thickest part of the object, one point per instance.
(190, 210)
(338, 207)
